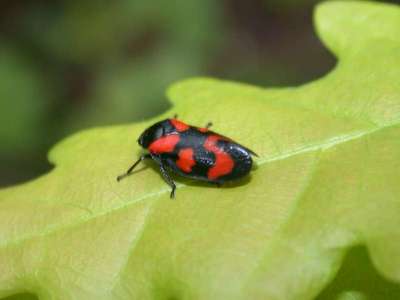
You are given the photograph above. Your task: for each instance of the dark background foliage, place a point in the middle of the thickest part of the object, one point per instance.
(69, 65)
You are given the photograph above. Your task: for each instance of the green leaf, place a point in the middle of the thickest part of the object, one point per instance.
(327, 179)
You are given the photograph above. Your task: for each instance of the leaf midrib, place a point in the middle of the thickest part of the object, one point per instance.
(325, 144)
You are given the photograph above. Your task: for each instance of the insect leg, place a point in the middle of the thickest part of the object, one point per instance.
(218, 184)
(144, 156)
(168, 179)
(208, 125)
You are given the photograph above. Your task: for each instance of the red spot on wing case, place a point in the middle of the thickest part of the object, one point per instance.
(223, 161)
(164, 144)
(185, 160)
(180, 126)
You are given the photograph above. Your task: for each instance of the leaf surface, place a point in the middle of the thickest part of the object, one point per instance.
(327, 179)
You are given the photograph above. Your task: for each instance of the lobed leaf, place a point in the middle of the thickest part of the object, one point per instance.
(326, 180)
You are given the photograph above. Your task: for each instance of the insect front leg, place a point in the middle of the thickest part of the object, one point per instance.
(168, 179)
(208, 125)
(143, 157)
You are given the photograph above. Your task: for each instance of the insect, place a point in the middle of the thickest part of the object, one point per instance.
(193, 152)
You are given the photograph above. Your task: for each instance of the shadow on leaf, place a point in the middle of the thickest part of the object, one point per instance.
(22, 296)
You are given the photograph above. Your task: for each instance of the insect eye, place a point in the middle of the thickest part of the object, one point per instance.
(141, 140)
(159, 133)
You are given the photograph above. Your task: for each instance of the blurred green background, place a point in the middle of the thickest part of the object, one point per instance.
(69, 65)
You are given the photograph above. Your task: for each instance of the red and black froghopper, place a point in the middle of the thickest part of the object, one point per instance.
(193, 152)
